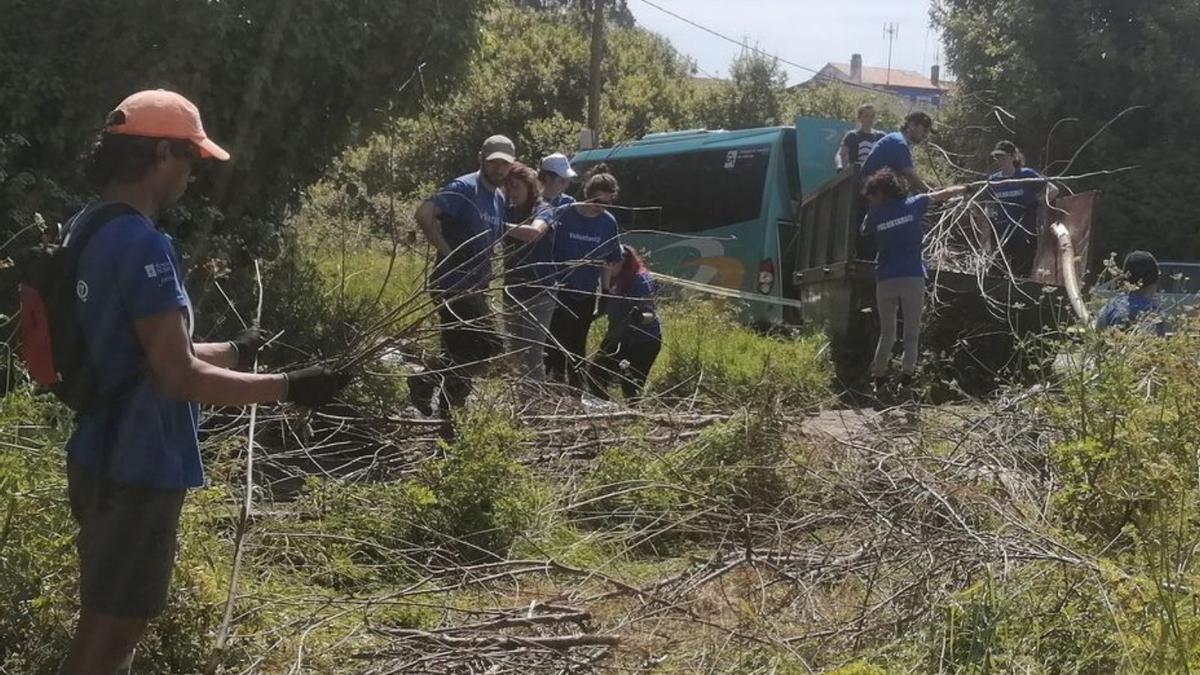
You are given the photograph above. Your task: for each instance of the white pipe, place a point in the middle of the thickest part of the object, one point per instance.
(1066, 264)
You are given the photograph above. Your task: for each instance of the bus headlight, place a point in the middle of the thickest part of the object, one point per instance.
(766, 276)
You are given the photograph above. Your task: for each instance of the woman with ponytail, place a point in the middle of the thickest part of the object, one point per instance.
(587, 247)
(1018, 191)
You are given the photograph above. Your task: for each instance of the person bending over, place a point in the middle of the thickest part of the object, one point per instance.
(634, 336)
(894, 151)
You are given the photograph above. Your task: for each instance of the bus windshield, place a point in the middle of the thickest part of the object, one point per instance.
(692, 191)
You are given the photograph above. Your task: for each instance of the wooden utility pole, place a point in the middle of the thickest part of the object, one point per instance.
(596, 75)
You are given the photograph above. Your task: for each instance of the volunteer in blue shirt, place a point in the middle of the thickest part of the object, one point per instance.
(587, 246)
(555, 176)
(1018, 191)
(634, 337)
(1138, 307)
(464, 222)
(894, 152)
(131, 461)
(898, 225)
(529, 274)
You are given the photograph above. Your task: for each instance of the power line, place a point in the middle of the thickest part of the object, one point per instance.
(757, 50)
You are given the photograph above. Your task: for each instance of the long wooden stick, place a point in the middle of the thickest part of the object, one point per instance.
(243, 526)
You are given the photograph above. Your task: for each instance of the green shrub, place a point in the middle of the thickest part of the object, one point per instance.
(1128, 456)
(1061, 619)
(349, 536)
(483, 497)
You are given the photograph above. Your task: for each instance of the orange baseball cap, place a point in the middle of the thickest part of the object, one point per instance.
(158, 113)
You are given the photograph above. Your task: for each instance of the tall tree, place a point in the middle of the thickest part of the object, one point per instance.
(616, 10)
(754, 95)
(529, 80)
(1049, 75)
(284, 84)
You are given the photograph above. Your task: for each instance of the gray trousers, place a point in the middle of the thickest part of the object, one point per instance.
(527, 315)
(908, 295)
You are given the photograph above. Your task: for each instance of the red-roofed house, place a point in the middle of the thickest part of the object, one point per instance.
(911, 85)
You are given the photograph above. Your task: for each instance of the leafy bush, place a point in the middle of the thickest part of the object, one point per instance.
(1063, 619)
(483, 498)
(346, 536)
(1128, 458)
(264, 76)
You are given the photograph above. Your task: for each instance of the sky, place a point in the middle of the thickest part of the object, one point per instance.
(808, 32)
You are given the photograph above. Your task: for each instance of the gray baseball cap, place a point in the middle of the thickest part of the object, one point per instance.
(499, 147)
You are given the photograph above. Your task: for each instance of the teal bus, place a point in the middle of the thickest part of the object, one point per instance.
(712, 207)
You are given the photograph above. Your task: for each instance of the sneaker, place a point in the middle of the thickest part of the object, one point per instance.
(420, 392)
(880, 392)
(879, 386)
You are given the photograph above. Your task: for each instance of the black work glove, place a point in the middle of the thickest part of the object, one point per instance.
(247, 344)
(314, 386)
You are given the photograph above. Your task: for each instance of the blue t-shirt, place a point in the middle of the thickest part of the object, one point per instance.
(561, 201)
(1016, 201)
(1127, 309)
(891, 152)
(631, 314)
(898, 228)
(130, 271)
(473, 220)
(532, 262)
(578, 238)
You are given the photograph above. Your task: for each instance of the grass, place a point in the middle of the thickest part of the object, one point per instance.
(706, 349)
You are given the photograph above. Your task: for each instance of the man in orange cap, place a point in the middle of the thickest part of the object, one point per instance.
(133, 456)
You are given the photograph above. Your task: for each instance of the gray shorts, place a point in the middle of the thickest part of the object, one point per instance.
(126, 543)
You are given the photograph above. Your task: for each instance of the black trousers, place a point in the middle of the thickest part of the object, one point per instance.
(638, 358)
(1020, 248)
(470, 339)
(566, 354)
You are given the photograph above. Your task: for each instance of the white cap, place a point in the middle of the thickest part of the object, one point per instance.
(559, 165)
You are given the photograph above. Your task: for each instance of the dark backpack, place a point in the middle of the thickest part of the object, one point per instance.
(52, 342)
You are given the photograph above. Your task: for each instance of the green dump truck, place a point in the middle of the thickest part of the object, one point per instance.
(762, 214)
